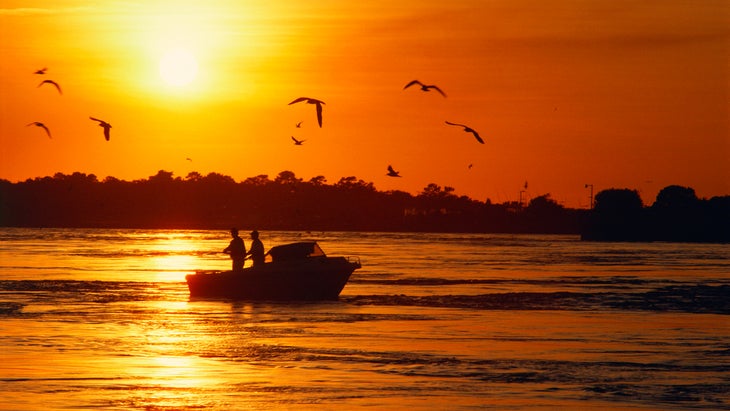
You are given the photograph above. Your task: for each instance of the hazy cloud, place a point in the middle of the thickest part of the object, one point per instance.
(36, 11)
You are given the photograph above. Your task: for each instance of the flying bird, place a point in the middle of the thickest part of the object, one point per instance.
(297, 142)
(105, 125)
(468, 130)
(186, 158)
(425, 87)
(392, 173)
(41, 71)
(41, 125)
(53, 83)
(299, 124)
(314, 101)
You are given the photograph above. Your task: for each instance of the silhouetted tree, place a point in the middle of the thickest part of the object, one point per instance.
(353, 183)
(318, 181)
(717, 219)
(676, 215)
(287, 177)
(162, 177)
(432, 190)
(543, 214)
(617, 215)
(259, 180)
(194, 176)
(219, 179)
(618, 201)
(676, 197)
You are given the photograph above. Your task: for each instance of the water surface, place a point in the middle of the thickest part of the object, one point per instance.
(101, 319)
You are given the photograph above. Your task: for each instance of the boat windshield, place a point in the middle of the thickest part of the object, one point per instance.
(295, 251)
(316, 251)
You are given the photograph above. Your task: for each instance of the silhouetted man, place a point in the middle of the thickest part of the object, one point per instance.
(257, 249)
(237, 250)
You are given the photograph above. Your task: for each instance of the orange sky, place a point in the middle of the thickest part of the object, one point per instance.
(623, 94)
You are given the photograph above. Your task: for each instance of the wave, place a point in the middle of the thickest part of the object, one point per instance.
(427, 281)
(10, 308)
(713, 299)
(680, 298)
(144, 253)
(104, 235)
(62, 292)
(130, 271)
(609, 380)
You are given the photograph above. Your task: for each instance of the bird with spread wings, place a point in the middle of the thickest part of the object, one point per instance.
(104, 125)
(468, 130)
(314, 101)
(41, 125)
(425, 87)
(53, 83)
(392, 172)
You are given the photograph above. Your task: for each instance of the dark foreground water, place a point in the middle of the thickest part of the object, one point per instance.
(98, 319)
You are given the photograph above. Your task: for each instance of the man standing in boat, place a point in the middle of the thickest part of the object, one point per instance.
(237, 250)
(257, 249)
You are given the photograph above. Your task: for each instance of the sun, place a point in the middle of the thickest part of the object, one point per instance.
(178, 67)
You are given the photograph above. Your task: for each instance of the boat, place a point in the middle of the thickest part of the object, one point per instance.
(293, 272)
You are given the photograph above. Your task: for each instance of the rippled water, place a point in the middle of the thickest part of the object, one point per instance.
(100, 319)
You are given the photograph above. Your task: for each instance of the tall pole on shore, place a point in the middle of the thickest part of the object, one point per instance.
(591, 187)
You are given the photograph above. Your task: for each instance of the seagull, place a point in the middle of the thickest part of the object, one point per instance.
(299, 124)
(468, 130)
(314, 101)
(41, 71)
(41, 125)
(297, 142)
(392, 173)
(425, 87)
(52, 82)
(105, 125)
(186, 158)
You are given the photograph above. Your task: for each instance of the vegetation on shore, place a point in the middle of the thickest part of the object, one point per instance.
(216, 201)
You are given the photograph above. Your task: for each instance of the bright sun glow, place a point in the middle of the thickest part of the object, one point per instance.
(178, 67)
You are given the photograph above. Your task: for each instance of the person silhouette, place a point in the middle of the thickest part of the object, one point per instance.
(237, 250)
(257, 249)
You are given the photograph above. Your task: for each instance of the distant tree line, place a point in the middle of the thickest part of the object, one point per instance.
(217, 201)
(676, 215)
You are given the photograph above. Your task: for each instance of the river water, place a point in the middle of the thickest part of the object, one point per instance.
(101, 319)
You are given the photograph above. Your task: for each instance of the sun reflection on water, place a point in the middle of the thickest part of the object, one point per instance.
(172, 267)
(177, 372)
(174, 257)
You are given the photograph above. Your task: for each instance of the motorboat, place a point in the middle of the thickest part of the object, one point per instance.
(292, 272)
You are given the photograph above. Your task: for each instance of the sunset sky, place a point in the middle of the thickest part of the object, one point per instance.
(617, 94)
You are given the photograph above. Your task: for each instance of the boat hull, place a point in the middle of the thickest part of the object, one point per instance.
(310, 280)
